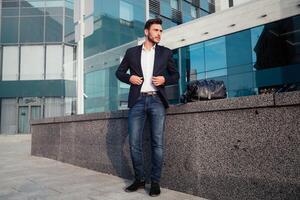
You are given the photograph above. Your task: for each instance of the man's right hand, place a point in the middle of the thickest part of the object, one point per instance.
(136, 80)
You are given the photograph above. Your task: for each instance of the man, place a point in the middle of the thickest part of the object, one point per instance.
(147, 99)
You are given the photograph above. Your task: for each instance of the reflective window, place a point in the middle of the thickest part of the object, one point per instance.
(32, 11)
(174, 4)
(193, 12)
(31, 29)
(197, 59)
(115, 23)
(54, 28)
(10, 11)
(215, 54)
(9, 29)
(69, 29)
(186, 10)
(10, 3)
(259, 60)
(204, 5)
(126, 11)
(32, 3)
(36, 21)
(165, 8)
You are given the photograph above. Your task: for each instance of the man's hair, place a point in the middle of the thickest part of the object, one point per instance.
(152, 21)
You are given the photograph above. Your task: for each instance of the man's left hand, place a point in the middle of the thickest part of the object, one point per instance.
(158, 80)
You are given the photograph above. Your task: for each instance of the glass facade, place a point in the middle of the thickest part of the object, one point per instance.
(174, 12)
(254, 61)
(115, 24)
(36, 21)
(120, 23)
(37, 68)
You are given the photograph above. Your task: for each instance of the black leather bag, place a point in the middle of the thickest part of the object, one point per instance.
(204, 90)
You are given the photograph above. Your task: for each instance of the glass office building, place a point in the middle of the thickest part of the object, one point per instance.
(37, 53)
(37, 71)
(263, 59)
(117, 26)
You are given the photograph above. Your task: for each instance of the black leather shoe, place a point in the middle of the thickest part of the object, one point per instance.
(154, 190)
(135, 186)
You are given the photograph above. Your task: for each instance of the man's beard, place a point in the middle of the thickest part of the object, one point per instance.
(150, 40)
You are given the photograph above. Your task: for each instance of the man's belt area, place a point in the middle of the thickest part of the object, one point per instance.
(152, 93)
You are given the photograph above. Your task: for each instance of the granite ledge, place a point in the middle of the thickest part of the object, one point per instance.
(83, 117)
(287, 98)
(247, 102)
(256, 101)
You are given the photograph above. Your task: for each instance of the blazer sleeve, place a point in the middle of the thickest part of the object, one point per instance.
(173, 75)
(121, 72)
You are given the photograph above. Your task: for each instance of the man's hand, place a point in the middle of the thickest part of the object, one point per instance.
(158, 80)
(136, 80)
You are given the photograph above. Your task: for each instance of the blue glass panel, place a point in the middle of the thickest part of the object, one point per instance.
(255, 34)
(186, 12)
(32, 3)
(10, 12)
(9, 30)
(69, 29)
(54, 11)
(238, 47)
(215, 54)
(242, 84)
(31, 29)
(204, 4)
(32, 11)
(216, 73)
(165, 9)
(203, 13)
(197, 61)
(115, 23)
(54, 28)
(10, 4)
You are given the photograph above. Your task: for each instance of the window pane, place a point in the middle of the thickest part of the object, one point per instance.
(10, 66)
(197, 58)
(54, 28)
(32, 11)
(165, 9)
(69, 63)
(174, 4)
(69, 29)
(32, 62)
(54, 62)
(186, 9)
(204, 4)
(33, 4)
(54, 11)
(215, 54)
(32, 29)
(239, 53)
(10, 12)
(55, 3)
(126, 11)
(10, 4)
(9, 30)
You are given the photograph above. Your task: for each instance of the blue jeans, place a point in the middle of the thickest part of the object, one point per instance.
(152, 107)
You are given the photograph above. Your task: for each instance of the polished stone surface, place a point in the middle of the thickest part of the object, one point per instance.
(240, 148)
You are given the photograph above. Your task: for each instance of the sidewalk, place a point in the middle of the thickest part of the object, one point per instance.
(26, 177)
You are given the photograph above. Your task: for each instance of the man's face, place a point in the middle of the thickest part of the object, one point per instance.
(154, 33)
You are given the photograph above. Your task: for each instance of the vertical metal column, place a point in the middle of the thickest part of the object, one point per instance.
(80, 58)
(147, 12)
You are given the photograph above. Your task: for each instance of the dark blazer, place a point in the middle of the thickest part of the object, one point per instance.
(163, 63)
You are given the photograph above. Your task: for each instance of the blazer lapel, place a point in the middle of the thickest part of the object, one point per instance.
(139, 65)
(156, 57)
